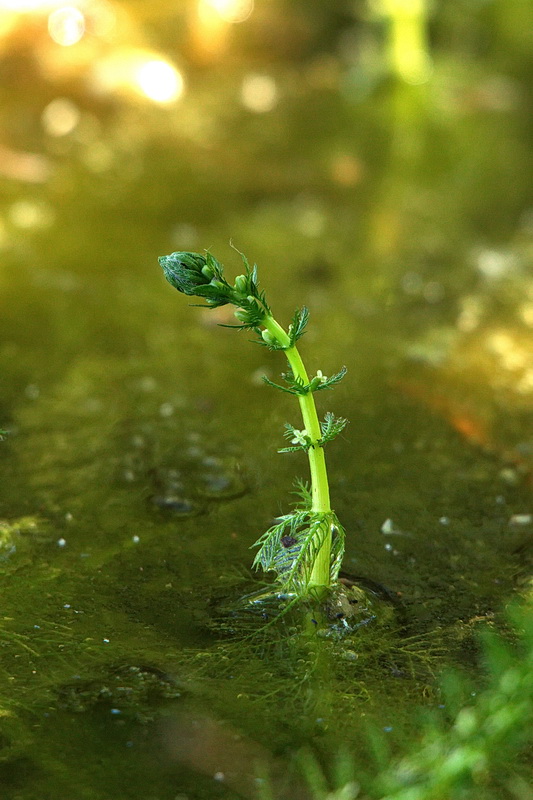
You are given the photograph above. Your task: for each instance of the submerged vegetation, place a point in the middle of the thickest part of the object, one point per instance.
(305, 548)
(473, 746)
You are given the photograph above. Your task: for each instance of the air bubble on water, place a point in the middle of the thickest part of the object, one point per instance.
(389, 529)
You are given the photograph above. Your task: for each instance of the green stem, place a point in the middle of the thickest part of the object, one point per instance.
(320, 575)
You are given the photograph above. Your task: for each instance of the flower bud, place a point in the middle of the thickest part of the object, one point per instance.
(268, 338)
(196, 274)
(241, 315)
(184, 270)
(241, 284)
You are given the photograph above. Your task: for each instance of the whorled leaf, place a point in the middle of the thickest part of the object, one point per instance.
(291, 547)
(327, 383)
(300, 440)
(297, 387)
(298, 324)
(331, 427)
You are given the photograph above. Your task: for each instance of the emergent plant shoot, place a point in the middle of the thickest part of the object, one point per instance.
(305, 548)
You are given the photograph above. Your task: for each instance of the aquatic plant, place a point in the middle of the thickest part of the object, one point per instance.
(475, 745)
(305, 547)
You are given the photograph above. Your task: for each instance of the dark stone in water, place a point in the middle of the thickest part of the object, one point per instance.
(131, 690)
(188, 485)
(220, 486)
(180, 506)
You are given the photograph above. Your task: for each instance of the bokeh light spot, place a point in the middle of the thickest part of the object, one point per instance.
(160, 81)
(137, 72)
(29, 214)
(66, 25)
(60, 117)
(231, 10)
(259, 93)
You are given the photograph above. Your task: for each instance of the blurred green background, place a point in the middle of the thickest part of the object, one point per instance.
(374, 157)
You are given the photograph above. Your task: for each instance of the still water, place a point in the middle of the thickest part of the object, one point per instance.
(140, 461)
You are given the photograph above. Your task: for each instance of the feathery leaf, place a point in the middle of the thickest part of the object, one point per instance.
(327, 383)
(290, 548)
(331, 427)
(298, 324)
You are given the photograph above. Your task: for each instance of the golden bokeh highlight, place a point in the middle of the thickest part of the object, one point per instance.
(259, 93)
(66, 25)
(138, 72)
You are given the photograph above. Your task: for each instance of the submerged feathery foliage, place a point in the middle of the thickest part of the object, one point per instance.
(475, 745)
(291, 547)
(305, 548)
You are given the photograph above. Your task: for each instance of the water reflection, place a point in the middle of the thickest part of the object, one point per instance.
(378, 174)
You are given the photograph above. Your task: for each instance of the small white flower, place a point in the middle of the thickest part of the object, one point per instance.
(300, 437)
(322, 378)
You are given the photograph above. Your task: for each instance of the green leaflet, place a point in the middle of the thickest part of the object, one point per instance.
(298, 387)
(298, 324)
(331, 427)
(290, 547)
